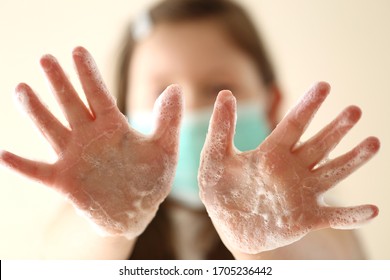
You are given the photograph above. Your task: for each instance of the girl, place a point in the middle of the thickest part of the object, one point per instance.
(140, 187)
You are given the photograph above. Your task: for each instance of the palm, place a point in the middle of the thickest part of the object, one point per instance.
(119, 176)
(270, 197)
(114, 175)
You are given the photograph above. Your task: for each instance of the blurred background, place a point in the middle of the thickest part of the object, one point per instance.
(345, 43)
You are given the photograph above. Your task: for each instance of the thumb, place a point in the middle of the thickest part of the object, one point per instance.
(219, 140)
(168, 110)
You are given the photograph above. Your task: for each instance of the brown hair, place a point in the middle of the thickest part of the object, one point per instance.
(156, 241)
(233, 18)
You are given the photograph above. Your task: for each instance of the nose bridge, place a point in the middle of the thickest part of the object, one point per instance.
(195, 97)
(191, 96)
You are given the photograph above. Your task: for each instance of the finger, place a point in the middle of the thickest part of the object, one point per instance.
(73, 107)
(350, 217)
(319, 146)
(49, 126)
(99, 99)
(219, 140)
(291, 128)
(341, 167)
(168, 111)
(220, 137)
(35, 170)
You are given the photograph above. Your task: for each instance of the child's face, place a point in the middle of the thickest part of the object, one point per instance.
(197, 55)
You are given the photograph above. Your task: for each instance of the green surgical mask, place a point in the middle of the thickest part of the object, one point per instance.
(251, 130)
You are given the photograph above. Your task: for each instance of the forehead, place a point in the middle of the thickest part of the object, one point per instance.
(201, 45)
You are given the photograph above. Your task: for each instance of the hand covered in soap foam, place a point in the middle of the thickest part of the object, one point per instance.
(272, 196)
(111, 173)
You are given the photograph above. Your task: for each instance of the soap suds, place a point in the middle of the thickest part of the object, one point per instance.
(127, 204)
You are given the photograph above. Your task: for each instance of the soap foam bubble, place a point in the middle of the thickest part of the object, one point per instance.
(23, 100)
(127, 206)
(253, 216)
(245, 233)
(347, 218)
(170, 98)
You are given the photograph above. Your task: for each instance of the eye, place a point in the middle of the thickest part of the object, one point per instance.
(158, 90)
(215, 89)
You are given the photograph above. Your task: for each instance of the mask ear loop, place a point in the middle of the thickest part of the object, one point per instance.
(142, 27)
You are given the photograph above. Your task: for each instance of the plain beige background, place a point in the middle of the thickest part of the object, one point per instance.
(346, 43)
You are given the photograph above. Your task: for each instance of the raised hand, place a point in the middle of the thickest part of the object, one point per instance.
(115, 176)
(272, 196)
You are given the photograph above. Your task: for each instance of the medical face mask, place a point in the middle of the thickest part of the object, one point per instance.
(251, 130)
